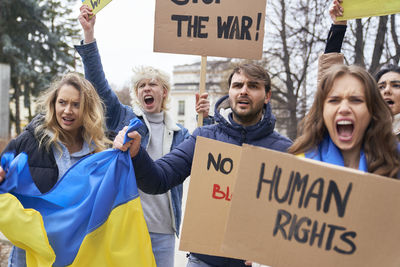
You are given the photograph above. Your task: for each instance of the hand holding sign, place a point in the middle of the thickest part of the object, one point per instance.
(336, 11)
(96, 5)
(224, 28)
(87, 20)
(202, 104)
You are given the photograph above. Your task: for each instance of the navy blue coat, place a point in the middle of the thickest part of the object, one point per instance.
(172, 169)
(42, 164)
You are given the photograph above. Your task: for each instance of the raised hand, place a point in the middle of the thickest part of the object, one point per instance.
(336, 10)
(87, 21)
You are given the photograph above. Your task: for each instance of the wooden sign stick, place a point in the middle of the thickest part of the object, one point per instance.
(202, 86)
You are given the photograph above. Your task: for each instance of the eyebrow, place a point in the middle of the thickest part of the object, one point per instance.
(339, 96)
(249, 82)
(71, 100)
(358, 96)
(237, 83)
(394, 81)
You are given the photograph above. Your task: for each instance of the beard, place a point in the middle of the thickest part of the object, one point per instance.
(248, 117)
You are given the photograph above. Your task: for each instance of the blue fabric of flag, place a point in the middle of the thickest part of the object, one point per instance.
(328, 152)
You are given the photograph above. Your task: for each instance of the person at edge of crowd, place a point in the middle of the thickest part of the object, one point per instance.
(70, 126)
(160, 134)
(344, 123)
(243, 116)
(388, 77)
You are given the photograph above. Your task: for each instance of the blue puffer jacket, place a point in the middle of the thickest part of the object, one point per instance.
(42, 164)
(119, 115)
(173, 168)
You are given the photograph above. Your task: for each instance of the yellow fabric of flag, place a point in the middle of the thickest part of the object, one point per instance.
(115, 243)
(25, 229)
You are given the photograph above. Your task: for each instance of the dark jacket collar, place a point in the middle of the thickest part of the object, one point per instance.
(260, 129)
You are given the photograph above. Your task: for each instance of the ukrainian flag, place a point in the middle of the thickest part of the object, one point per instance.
(328, 152)
(91, 217)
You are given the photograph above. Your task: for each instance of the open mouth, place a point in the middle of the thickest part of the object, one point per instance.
(148, 100)
(68, 121)
(345, 129)
(243, 102)
(390, 102)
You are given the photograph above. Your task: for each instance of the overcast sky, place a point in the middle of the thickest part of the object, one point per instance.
(124, 32)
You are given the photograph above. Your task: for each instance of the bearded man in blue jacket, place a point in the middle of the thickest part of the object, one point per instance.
(243, 117)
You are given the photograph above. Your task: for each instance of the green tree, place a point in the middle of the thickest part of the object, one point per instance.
(34, 38)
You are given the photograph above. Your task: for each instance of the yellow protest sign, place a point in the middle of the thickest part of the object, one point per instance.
(355, 9)
(96, 5)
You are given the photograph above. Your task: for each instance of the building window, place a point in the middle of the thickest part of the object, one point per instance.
(181, 107)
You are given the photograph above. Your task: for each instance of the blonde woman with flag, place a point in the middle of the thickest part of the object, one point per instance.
(65, 198)
(70, 126)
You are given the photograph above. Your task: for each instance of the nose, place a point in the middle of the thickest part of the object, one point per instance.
(243, 90)
(344, 108)
(387, 90)
(68, 109)
(146, 88)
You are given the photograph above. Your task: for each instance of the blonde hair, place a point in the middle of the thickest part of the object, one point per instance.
(146, 72)
(91, 109)
(379, 142)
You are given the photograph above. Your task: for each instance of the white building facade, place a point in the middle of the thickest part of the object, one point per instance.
(185, 85)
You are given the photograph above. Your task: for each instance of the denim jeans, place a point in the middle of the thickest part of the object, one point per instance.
(17, 257)
(163, 249)
(195, 262)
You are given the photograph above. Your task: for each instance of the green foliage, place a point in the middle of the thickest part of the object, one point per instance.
(35, 39)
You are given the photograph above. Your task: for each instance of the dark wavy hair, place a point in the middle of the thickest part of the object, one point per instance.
(379, 143)
(385, 69)
(253, 71)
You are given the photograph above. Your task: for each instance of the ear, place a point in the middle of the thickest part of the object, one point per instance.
(165, 92)
(267, 97)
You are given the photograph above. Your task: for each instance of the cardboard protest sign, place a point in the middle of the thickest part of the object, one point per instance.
(209, 196)
(96, 5)
(224, 28)
(354, 9)
(290, 211)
